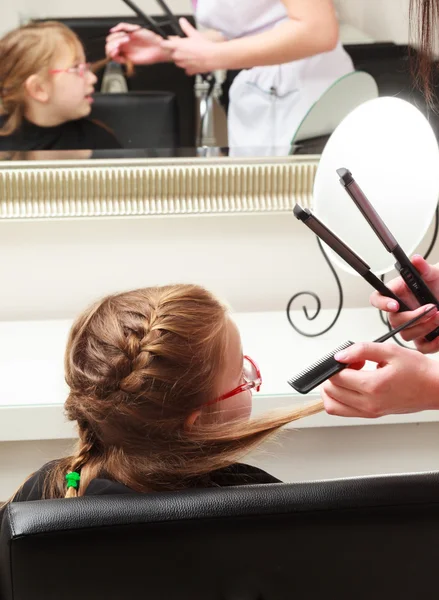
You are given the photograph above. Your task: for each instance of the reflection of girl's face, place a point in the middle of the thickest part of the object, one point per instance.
(70, 91)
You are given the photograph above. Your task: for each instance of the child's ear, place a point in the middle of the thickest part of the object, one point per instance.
(36, 88)
(192, 419)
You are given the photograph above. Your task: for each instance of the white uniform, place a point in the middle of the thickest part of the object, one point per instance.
(267, 104)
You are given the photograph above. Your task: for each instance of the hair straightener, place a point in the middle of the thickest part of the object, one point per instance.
(411, 276)
(152, 23)
(346, 253)
(148, 21)
(173, 21)
(327, 366)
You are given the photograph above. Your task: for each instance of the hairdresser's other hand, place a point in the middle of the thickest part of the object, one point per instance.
(417, 333)
(127, 42)
(194, 53)
(404, 381)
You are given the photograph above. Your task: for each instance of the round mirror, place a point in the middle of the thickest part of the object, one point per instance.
(393, 155)
(337, 102)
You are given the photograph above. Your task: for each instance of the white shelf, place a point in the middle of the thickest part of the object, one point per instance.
(32, 386)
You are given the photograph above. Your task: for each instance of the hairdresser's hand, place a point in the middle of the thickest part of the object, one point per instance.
(194, 53)
(404, 381)
(430, 274)
(131, 43)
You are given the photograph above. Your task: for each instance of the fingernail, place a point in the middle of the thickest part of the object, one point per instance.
(341, 356)
(392, 305)
(431, 312)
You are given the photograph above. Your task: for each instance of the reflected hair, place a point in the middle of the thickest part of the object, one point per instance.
(25, 51)
(424, 35)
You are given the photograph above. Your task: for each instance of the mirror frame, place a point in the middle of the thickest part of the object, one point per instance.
(75, 189)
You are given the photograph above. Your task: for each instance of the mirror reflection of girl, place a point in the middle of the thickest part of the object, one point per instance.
(287, 51)
(162, 396)
(46, 92)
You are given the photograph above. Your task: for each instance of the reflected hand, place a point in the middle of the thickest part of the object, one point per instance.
(132, 43)
(194, 53)
(417, 333)
(404, 381)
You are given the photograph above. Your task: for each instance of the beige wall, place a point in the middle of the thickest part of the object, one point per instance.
(44, 8)
(384, 20)
(128, 253)
(12, 12)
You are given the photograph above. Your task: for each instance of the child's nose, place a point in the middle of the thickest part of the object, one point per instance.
(92, 79)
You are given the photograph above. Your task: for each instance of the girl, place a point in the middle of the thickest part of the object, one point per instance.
(46, 92)
(287, 53)
(161, 394)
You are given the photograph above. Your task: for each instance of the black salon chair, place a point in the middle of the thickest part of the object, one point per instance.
(140, 119)
(365, 538)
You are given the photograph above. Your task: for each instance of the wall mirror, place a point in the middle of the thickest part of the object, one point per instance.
(166, 145)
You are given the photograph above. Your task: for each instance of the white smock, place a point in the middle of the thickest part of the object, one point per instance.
(267, 104)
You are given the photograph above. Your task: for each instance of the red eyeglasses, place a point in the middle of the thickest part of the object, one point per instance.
(252, 380)
(80, 69)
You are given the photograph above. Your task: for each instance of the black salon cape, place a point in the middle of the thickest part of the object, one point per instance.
(83, 134)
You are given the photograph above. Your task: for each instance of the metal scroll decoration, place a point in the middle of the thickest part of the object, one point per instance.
(312, 316)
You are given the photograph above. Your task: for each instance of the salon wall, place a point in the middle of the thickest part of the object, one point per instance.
(230, 255)
(27, 9)
(256, 262)
(10, 16)
(381, 19)
(98, 7)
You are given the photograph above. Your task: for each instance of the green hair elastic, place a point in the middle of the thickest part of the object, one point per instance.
(73, 479)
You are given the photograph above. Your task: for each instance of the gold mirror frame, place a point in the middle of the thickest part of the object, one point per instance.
(154, 187)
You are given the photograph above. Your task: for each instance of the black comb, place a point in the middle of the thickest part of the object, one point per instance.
(315, 374)
(311, 377)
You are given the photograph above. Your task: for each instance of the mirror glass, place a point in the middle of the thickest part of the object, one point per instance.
(393, 155)
(272, 111)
